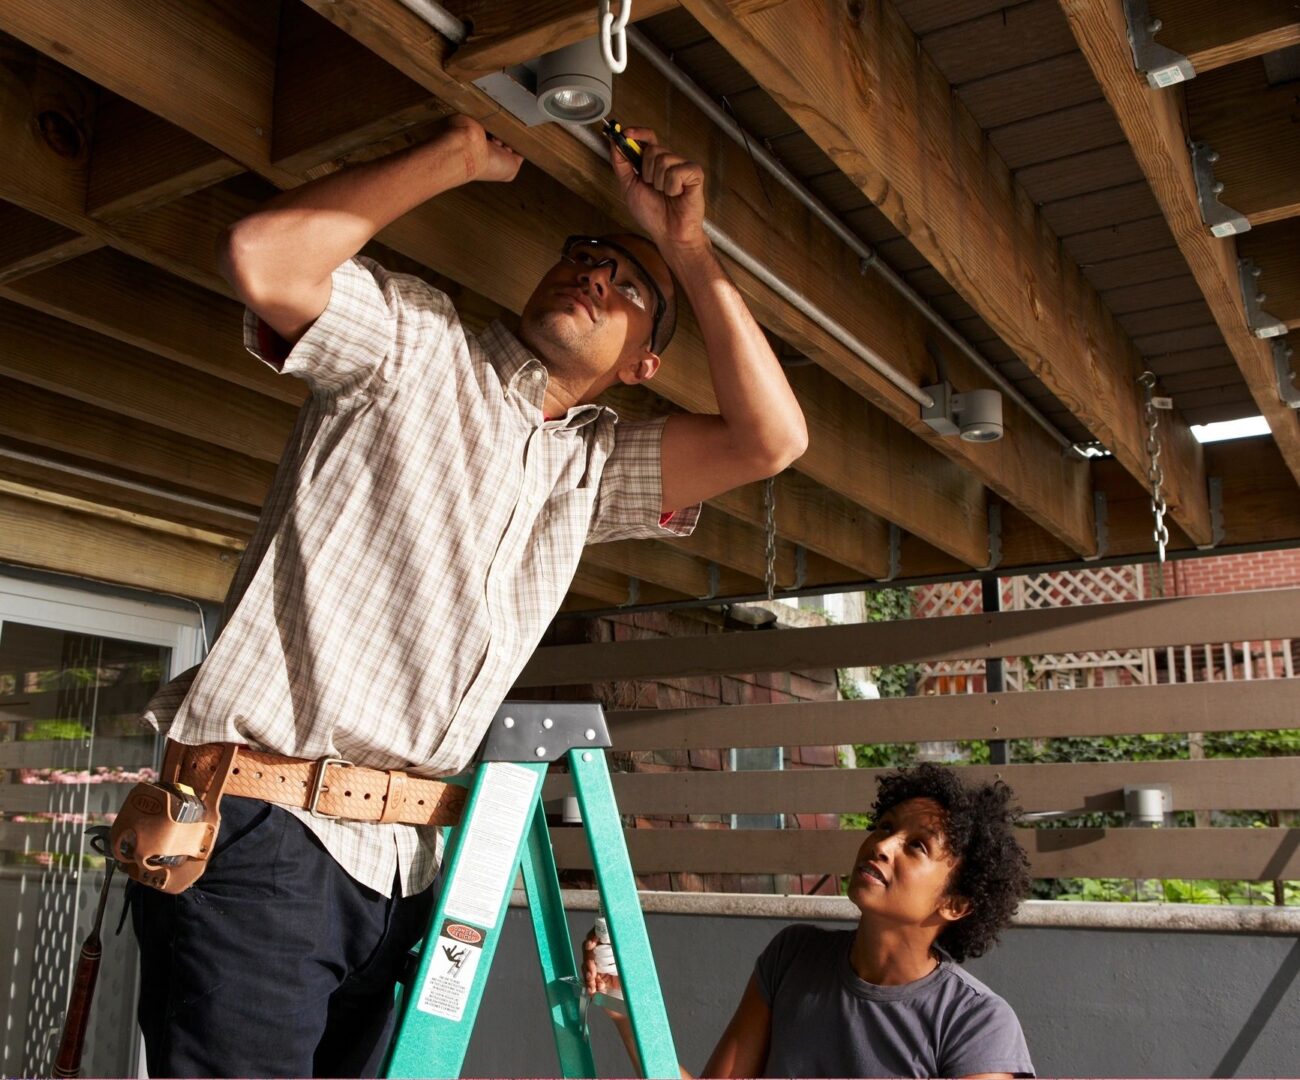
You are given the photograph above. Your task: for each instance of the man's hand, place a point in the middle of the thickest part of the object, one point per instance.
(667, 199)
(486, 157)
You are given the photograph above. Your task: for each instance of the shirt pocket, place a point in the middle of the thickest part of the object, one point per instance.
(561, 535)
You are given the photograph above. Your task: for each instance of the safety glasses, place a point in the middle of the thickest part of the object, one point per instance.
(592, 253)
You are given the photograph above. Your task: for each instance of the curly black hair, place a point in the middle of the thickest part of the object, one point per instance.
(992, 870)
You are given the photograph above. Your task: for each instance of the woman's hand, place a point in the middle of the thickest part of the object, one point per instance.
(598, 982)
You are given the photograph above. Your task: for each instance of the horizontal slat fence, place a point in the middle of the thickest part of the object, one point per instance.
(1184, 620)
(1261, 784)
(1121, 710)
(1246, 854)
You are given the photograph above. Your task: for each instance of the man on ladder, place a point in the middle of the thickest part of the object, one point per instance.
(425, 522)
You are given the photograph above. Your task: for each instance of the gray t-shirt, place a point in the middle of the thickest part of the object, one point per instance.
(828, 1022)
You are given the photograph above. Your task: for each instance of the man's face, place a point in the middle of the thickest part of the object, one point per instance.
(591, 319)
(903, 867)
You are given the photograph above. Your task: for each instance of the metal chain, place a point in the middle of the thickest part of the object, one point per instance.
(769, 512)
(1155, 474)
(613, 34)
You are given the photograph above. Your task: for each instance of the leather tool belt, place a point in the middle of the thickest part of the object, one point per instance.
(165, 831)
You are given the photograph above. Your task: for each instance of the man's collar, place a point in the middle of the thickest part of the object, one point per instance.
(522, 373)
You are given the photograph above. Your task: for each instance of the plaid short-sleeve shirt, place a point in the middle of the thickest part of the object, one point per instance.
(422, 528)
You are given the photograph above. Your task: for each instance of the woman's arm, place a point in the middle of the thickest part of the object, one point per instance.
(742, 1050)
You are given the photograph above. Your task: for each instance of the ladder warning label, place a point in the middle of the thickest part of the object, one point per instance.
(487, 861)
(447, 983)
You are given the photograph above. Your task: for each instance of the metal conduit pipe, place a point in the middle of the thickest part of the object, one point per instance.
(129, 485)
(732, 250)
(453, 29)
(868, 254)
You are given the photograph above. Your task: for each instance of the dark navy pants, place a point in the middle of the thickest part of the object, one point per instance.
(275, 962)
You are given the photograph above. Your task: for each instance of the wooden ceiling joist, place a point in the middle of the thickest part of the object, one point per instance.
(947, 508)
(41, 534)
(37, 417)
(504, 33)
(809, 257)
(50, 353)
(856, 80)
(102, 292)
(1211, 33)
(1253, 128)
(1273, 249)
(1153, 123)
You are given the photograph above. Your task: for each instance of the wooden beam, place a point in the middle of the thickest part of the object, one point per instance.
(1153, 125)
(594, 586)
(663, 565)
(46, 124)
(1212, 34)
(1191, 620)
(1121, 710)
(56, 538)
(1248, 784)
(1273, 249)
(857, 81)
(117, 444)
(1241, 854)
(947, 507)
(64, 475)
(182, 322)
(47, 352)
(206, 67)
(507, 33)
(397, 36)
(820, 519)
(140, 160)
(730, 542)
(320, 116)
(1252, 126)
(29, 242)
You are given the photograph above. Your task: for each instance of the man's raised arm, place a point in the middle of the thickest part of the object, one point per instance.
(280, 258)
(759, 429)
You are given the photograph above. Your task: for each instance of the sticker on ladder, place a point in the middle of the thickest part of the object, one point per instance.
(486, 865)
(456, 953)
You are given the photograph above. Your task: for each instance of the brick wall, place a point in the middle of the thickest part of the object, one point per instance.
(1234, 573)
(703, 692)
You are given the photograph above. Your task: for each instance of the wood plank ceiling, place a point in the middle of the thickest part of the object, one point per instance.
(990, 160)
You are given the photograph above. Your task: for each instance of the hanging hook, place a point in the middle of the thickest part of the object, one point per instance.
(613, 35)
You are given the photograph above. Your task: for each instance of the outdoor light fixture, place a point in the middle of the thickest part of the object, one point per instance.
(1148, 807)
(574, 84)
(975, 415)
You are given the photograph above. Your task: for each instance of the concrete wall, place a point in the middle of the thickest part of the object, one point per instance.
(1093, 1002)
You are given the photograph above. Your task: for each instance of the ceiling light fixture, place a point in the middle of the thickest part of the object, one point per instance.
(975, 415)
(574, 84)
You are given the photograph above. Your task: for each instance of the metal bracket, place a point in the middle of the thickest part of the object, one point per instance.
(1287, 389)
(1101, 526)
(1260, 322)
(543, 730)
(1222, 220)
(715, 581)
(633, 592)
(1161, 65)
(800, 566)
(895, 552)
(1216, 514)
(995, 536)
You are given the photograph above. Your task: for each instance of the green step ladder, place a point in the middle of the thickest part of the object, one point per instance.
(502, 831)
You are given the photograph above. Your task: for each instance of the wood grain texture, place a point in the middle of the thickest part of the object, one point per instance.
(855, 80)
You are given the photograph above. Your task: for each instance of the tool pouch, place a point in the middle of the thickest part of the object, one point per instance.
(165, 832)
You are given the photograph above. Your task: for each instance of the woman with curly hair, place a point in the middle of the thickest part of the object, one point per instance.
(936, 879)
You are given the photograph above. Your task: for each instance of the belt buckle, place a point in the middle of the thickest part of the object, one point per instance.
(318, 785)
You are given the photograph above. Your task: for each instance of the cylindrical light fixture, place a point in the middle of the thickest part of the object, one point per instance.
(574, 85)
